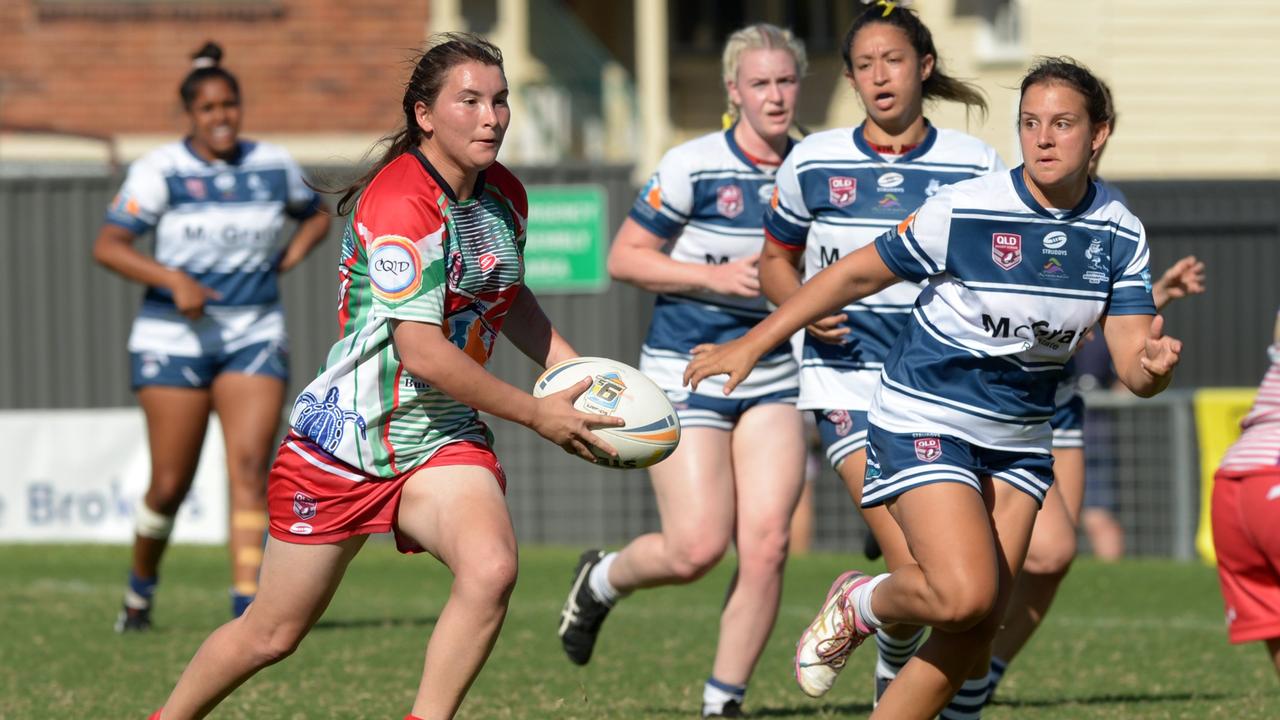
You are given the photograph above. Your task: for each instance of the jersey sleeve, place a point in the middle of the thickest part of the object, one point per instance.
(1131, 273)
(142, 199)
(404, 240)
(787, 219)
(994, 163)
(917, 248)
(666, 201)
(302, 201)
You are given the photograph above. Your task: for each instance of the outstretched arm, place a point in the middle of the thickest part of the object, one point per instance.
(1184, 278)
(1144, 357)
(853, 277)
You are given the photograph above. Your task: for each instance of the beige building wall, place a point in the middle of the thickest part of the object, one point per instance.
(1197, 85)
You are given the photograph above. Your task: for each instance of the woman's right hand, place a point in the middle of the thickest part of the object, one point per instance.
(739, 277)
(189, 296)
(735, 358)
(830, 329)
(555, 419)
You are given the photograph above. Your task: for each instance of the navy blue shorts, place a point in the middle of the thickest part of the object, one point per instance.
(1068, 424)
(721, 413)
(265, 358)
(843, 433)
(898, 462)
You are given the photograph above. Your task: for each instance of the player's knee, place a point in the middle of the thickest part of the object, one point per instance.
(963, 605)
(490, 578)
(693, 559)
(766, 553)
(1052, 555)
(166, 497)
(275, 643)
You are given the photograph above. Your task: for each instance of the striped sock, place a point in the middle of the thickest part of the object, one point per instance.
(995, 674)
(967, 703)
(716, 693)
(893, 653)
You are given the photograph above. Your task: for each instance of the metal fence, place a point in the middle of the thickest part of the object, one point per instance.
(65, 322)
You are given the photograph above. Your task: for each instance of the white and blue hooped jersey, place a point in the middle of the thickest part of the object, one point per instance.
(1011, 289)
(220, 223)
(835, 195)
(708, 200)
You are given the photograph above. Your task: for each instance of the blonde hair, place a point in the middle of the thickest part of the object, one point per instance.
(761, 36)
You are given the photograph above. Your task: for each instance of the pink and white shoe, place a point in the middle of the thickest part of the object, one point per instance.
(825, 645)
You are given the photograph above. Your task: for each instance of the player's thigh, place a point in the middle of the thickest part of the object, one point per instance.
(949, 534)
(1068, 480)
(249, 407)
(768, 465)
(458, 514)
(177, 418)
(893, 544)
(297, 581)
(694, 487)
(1013, 514)
(1053, 539)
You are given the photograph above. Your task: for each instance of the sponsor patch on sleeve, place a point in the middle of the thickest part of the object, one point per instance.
(395, 267)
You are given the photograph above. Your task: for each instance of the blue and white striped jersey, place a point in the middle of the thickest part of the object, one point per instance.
(708, 198)
(220, 223)
(1011, 289)
(835, 195)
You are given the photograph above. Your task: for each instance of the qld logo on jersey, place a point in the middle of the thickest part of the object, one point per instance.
(842, 190)
(395, 267)
(928, 448)
(1006, 250)
(729, 201)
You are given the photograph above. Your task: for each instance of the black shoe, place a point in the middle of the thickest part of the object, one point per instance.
(882, 684)
(133, 619)
(583, 614)
(871, 547)
(731, 709)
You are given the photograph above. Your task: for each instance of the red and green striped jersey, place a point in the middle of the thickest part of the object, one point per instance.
(413, 252)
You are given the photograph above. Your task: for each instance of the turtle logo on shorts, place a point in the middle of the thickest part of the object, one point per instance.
(325, 422)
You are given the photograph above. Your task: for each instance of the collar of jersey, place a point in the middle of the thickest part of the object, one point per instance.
(242, 149)
(860, 142)
(1020, 186)
(742, 155)
(444, 186)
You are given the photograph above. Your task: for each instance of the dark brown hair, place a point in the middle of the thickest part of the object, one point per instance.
(206, 64)
(938, 84)
(1065, 70)
(444, 52)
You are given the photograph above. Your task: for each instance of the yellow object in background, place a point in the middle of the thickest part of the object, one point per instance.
(1218, 415)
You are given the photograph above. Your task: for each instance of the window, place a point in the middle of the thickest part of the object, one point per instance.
(700, 27)
(159, 9)
(1000, 28)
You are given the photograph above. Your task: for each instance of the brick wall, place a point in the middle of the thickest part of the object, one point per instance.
(108, 68)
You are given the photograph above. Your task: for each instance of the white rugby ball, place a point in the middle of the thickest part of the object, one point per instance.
(652, 430)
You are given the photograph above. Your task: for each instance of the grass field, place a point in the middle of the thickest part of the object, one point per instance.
(1141, 639)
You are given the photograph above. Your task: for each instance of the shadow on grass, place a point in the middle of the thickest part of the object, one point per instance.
(782, 711)
(383, 622)
(1109, 699)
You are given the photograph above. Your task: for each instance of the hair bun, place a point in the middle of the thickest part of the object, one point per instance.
(208, 56)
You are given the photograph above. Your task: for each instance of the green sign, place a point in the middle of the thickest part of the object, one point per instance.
(565, 249)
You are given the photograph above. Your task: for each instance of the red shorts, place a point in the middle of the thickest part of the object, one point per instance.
(316, 499)
(1246, 537)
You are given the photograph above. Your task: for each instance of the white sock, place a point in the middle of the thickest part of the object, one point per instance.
(715, 694)
(968, 701)
(598, 581)
(892, 653)
(861, 597)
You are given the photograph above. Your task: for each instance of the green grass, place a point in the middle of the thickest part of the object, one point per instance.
(1141, 639)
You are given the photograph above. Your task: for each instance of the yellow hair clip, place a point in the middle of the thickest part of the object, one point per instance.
(726, 121)
(888, 6)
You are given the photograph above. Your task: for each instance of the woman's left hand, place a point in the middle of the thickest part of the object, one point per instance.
(735, 359)
(1160, 353)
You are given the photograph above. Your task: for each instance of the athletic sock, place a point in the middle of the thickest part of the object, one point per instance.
(893, 653)
(239, 603)
(140, 592)
(968, 701)
(716, 693)
(861, 597)
(598, 581)
(995, 674)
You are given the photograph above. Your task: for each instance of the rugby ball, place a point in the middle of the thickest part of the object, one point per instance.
(652, 430)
